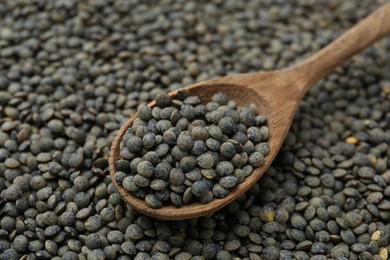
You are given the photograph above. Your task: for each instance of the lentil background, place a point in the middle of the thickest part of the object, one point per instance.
(71, 72)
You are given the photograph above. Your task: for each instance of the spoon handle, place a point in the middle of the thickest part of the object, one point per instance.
(360, 36)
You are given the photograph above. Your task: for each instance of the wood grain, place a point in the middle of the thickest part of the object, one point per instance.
(277, 95)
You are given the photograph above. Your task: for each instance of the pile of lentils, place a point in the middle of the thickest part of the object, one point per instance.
(181, 150)
(72, 72)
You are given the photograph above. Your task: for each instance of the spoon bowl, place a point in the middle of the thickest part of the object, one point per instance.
(276, 94)
(243, 89)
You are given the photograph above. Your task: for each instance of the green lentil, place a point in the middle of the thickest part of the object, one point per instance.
(228, 150)
(224, 168)
(205, 161)
(152, 201)
(163, 100)
(176, 176)
(145, 169)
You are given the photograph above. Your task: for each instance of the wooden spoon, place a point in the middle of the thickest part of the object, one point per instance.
(276, 94)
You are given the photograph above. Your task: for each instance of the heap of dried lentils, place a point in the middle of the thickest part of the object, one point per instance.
(72, 72)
